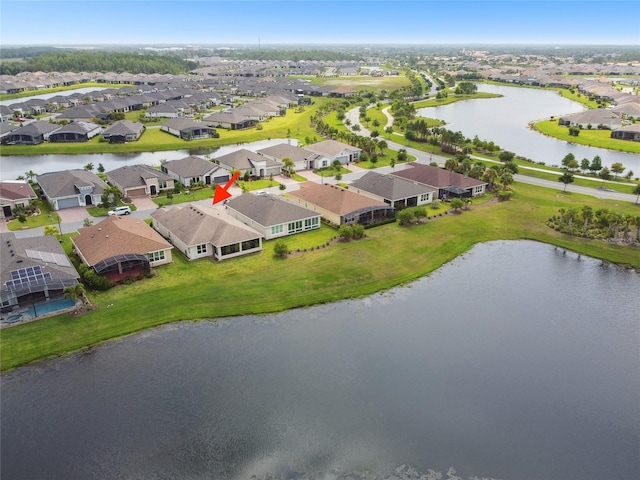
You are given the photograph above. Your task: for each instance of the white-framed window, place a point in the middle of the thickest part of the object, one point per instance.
(478, 189)
(310, 223)
(424, 197)
(277, 229)
(295, 227)
(200, 249)
(156, 256)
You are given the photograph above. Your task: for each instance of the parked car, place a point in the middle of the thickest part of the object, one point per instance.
(120, 211)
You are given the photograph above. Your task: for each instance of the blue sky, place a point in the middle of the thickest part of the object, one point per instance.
(88, 22)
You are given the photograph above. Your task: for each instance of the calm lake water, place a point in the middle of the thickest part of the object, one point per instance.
(515, 361)
(506, 120)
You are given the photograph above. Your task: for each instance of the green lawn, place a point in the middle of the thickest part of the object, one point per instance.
(42, 219)
(593, 138)
(261, 283)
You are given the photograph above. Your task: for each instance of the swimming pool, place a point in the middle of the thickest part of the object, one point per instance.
(52, 306)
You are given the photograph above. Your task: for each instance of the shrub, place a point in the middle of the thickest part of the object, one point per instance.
(405, 217)
(281, 249)
(358, 231)
(346, 232)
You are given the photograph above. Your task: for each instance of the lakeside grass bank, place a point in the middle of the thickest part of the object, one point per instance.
(260, 284)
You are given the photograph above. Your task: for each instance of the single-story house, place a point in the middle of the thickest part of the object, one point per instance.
(594, 118)
(71, 188)
(272, 215)
(448, 184)
(14, 194)
(6, 129)
(230, 119)
(188, 129)
(140, 180)
(123, 131)
(6, 114)
(205, 232)
(629, 132)
(340, 206)
(245, 160)
(76, 132)
(119, 247)
(333, 150)
(302, 158)
(164, 110)
(194, 169)
(33, 270)
(395, 191)
(32, 133)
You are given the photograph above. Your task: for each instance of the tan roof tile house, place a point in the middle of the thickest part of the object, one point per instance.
(119, 247)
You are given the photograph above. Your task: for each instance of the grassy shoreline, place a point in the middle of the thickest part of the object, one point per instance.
(261, 284)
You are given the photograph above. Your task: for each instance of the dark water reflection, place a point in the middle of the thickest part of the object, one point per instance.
(515, 361)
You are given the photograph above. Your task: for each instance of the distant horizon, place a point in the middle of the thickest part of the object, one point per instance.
(67, 23)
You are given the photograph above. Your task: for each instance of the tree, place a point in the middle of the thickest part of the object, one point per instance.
(76, 292)
(596, 164)
(573, 165)
(574, 131)
(89, 167)
(506, 156)
(288, 166)
(280, 249)
(584, 165)
(282, 187)
(587, 215)
(456, 203)
(111, 196)
(617, 168)
(605, 175)
(566, 178)
(506, 179)
(636, 191)
(100, 168)
(402, 155)
(30, 176)
(51, 230)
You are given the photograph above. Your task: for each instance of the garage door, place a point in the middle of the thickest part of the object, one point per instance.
(221, 179)
(68, 202)
(136, 192)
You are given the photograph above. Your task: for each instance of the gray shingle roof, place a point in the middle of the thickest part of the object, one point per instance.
(195, 225)
(191, 166)
(269, 210)
(66, 182)
(134, 175)
(389, 187)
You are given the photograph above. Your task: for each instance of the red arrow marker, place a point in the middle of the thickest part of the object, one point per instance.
(221, 193)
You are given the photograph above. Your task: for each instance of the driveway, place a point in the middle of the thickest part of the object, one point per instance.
(144, 203)
(75, 214)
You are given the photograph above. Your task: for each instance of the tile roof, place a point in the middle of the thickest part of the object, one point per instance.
(16, 190)
(333, 198)
(117, 235)
(437, 177)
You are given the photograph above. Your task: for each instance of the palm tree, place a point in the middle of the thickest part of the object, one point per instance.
(587, 215)
(636, 191)
(506, 179)
(76, 292)
(30, 175)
